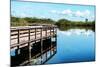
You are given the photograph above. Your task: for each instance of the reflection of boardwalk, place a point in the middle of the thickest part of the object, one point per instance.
(32, 45)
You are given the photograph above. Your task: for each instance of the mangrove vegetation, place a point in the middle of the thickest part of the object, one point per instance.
(62, 24)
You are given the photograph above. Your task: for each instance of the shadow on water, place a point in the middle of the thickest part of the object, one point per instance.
(22, 54)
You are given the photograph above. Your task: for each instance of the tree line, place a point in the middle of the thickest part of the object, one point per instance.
(16, 21)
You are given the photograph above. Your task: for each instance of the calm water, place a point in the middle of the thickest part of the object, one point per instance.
(74, 45)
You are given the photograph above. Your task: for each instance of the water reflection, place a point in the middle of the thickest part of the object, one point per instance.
(76, 32)
(77, 27)
(74, 45)
(20, 57)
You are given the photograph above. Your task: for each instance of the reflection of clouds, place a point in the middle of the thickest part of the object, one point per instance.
(76, 32)
(79, 32)
(66, 33)
(88, 33)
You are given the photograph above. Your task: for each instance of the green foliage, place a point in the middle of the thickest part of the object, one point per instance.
(15, 21)
(18, 22)
(62, 23)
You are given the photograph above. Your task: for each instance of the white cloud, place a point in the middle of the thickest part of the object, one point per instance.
(68, 11)
(79, 14)
(23, 15)
(92, 16)
(82, 14)
(87, 12)
(54, 11)
(42, 16)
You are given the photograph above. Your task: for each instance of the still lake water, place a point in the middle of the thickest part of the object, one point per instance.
(74, 45)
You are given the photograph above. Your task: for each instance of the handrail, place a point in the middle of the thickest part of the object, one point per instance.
(22, 32)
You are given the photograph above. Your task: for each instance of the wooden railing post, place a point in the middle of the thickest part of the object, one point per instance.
(41, 44)
(53, 31)
(46, 31)
(46, 37)
(56, 30)
(18, 40)
(29, 45)
(56, 39)
(50, 31)
(35, 34)
(50, 42)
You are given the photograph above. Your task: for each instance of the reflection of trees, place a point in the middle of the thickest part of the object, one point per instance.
(77, 27)
(64, 24)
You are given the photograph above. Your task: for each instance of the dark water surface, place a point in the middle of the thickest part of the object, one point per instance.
(74, 45)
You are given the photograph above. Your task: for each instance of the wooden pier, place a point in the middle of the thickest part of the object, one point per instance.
(33, 44)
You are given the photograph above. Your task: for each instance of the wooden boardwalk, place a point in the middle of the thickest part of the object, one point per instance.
(23, 38)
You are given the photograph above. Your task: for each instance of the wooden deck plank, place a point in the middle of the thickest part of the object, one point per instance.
(18, 39)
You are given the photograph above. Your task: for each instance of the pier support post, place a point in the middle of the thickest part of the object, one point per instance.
(35, 39)
(18, 42)
(29, 45)
(50, 42)
(46, 37)
(17, 51)
(56, 39)
(41, 45)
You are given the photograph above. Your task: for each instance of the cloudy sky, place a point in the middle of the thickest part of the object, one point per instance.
(52, 10)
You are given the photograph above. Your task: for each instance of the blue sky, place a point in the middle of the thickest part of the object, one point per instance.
(52, 10)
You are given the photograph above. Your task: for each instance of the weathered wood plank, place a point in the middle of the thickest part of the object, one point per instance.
(20, 36)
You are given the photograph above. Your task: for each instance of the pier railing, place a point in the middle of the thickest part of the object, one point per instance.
(33, 42)
(21, 36)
